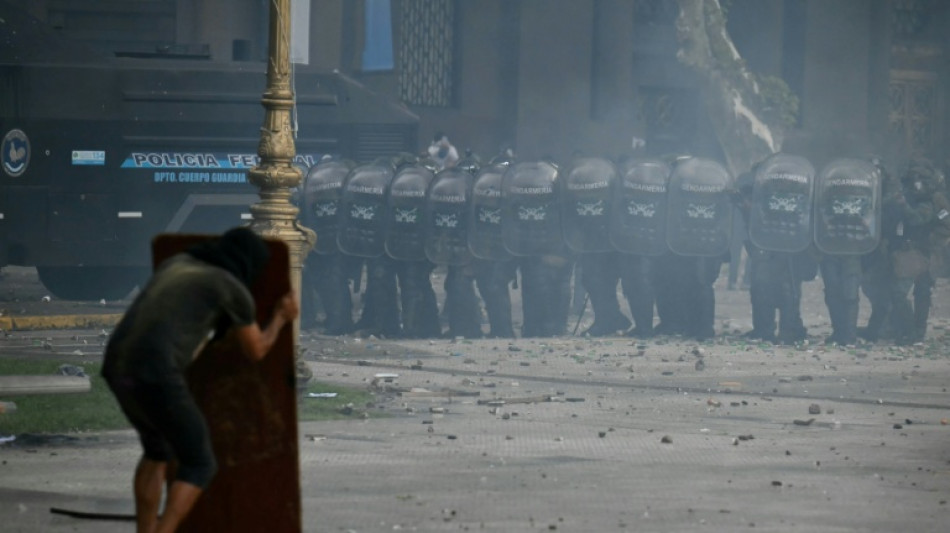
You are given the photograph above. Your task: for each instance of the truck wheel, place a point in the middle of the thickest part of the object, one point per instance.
(91, 283)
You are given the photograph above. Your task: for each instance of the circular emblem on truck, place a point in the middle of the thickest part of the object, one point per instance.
(15, 153)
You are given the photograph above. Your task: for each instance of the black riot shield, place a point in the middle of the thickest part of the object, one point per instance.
(586, 190)
(322, 190)
(848, 207)
(363, 211)
(699, 216)
(484, 224)
(405, 237)
(638, 213)
(530, 218)
(446, 217)
(780, 215)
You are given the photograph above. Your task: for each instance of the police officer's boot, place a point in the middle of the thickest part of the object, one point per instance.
(498, 305)
(333, 288)
(420, 311)
(922, 302)
(763, 314)
(848, 331)
(381, 311)
(872, 332)
(600, 277)
(608, 319)
(834, 313)
(902, 321)
(463, 308)
(921, 315)
(791, 327)
(704, 328)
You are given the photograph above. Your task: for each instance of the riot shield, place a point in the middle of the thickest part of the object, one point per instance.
(699, 216)
(484, 224)
(585, 204)
(407, 203)
(531, 221)
(363, 211)
(780, 214)
(322, 190)
(848, 207)
(446, 217)
(638, 213)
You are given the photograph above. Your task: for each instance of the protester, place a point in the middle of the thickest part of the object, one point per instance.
(193, 298)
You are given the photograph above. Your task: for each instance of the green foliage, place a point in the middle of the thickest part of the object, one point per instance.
(97, 409)
(775, 99)
(778, 99)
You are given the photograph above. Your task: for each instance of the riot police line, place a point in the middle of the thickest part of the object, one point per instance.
(658, 228)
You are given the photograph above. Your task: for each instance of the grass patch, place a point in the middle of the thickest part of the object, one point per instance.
(348, 403)
(97, 409)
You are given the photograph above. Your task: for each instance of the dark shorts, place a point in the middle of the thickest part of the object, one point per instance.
(169, 424)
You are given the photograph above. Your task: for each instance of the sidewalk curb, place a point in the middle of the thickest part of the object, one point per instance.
(24, 323)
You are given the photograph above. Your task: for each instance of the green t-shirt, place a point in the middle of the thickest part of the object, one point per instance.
(185, 302)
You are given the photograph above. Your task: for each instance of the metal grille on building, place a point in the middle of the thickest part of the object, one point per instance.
(913, 109)
(426, 52)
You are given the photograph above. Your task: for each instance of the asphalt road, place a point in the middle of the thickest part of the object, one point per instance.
(577, 434)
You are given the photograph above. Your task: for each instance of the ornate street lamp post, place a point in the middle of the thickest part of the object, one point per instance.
(274, 216)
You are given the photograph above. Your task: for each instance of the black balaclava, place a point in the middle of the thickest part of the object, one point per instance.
(240, 251)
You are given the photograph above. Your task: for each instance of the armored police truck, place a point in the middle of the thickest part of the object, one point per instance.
(100, 152)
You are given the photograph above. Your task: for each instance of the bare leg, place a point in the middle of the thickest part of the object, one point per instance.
(148, 484)
(181, 498)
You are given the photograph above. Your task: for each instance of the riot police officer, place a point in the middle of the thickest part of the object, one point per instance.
(847, 227)
(878, 278)
(921, 185)
(698, 232)
(362, 234)
(638, 231)
(586, 193)
(448, 202)
(405, 244)
(326, 271)
(776, 199)
(531, 230)
(492, 264)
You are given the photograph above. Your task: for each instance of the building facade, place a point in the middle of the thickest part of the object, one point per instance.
(560, 77)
